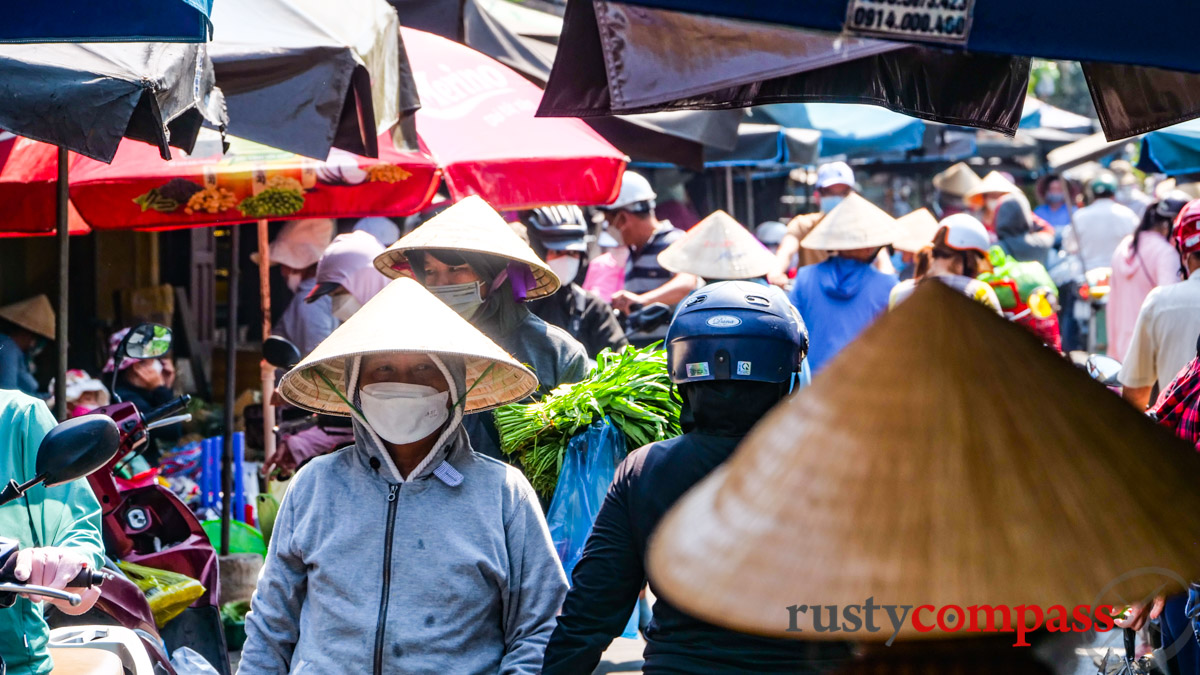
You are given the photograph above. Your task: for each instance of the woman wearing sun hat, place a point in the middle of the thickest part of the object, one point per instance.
(26, 327)
(471, 259)
(985, 198)
(406, 552)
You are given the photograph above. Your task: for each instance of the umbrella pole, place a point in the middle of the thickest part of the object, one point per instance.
(750, 198)
(230, 391)
(63, 234)
(729, 190)
(268, 371)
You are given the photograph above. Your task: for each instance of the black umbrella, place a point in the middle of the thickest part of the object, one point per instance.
(309, 75)
(715, 62)
(526, 39)
(86, 98)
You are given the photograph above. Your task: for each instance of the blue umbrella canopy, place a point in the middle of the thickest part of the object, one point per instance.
(106, 21)
(1173, 151)
(849, 130)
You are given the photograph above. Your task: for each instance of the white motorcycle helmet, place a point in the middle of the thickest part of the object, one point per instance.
(963, 232)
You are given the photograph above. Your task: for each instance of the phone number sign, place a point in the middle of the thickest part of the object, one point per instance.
(914, 20)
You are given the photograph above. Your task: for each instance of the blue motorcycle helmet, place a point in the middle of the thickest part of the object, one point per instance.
(736, 330)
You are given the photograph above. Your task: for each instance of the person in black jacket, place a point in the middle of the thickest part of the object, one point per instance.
(558, 234)
(734, 350)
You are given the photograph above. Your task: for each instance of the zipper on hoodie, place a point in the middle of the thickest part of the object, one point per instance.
(381, 625)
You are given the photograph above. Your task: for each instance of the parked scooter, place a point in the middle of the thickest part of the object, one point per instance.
(71, 451)
(148, 524)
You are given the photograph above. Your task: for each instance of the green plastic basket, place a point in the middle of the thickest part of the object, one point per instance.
(243, 538)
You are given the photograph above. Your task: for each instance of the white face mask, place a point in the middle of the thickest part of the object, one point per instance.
(830, 203)
(344, 306)
(566, 267)
(464, 299)
(404, 413)
(293, 281)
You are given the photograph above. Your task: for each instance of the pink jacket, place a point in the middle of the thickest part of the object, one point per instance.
(1133, 277)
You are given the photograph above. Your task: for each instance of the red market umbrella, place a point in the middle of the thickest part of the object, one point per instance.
(139, 190)
(477, 122)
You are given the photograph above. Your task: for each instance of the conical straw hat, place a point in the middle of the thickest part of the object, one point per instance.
(918, 228)
(855, 223)
(470, 225)
(404, 317)
(958, 180)
(944, 458)
(718, 247)
(33, 314)
(991, 183)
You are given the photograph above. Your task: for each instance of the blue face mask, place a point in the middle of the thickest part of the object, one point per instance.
(830, 203)
(1054, 198)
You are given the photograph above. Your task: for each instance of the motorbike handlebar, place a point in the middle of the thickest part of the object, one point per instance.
(167, 409)
(87, 578)
(44, 591)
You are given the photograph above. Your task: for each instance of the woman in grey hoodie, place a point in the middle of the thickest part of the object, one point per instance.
(406, 552)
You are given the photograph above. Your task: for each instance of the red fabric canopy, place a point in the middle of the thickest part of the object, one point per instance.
(141, 191)
(476, 128)
(477, 121)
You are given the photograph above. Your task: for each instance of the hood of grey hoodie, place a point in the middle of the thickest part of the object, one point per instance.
(453, 435)
(449, 571)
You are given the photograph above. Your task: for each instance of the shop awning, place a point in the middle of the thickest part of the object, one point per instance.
(107, 21)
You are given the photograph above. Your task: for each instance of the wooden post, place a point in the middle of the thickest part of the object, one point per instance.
(268, 371)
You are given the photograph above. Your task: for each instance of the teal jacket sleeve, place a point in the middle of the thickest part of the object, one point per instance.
(69, 513)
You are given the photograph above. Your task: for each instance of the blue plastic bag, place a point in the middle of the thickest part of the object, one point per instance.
(589, 465)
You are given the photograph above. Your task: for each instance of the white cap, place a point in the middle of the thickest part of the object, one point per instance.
(383, 229)
(964, 232)
(634, 189)
(835, 173)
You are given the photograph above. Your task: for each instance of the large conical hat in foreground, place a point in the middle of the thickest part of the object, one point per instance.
(404, 317)
(918, 228)
(853, 224)
(33, 314)
(718, 248)
(470, 225)
(945, 458)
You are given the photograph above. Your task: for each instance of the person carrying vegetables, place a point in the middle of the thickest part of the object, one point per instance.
(405, 552)
(734, 350)
(470, 259)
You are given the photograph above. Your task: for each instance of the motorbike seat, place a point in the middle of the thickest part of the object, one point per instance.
(84, 661)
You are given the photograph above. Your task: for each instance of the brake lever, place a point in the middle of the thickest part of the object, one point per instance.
(168, 421)
(44, 591)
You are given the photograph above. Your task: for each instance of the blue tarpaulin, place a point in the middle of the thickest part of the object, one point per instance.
(1173, 151)
(27, 21)
(1073, 30)
(1040, 115)
(848, 130)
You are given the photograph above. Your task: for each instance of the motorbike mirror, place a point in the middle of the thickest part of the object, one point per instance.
(280, 352)
(146, 341)
(1104, 369)
(76, 448)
